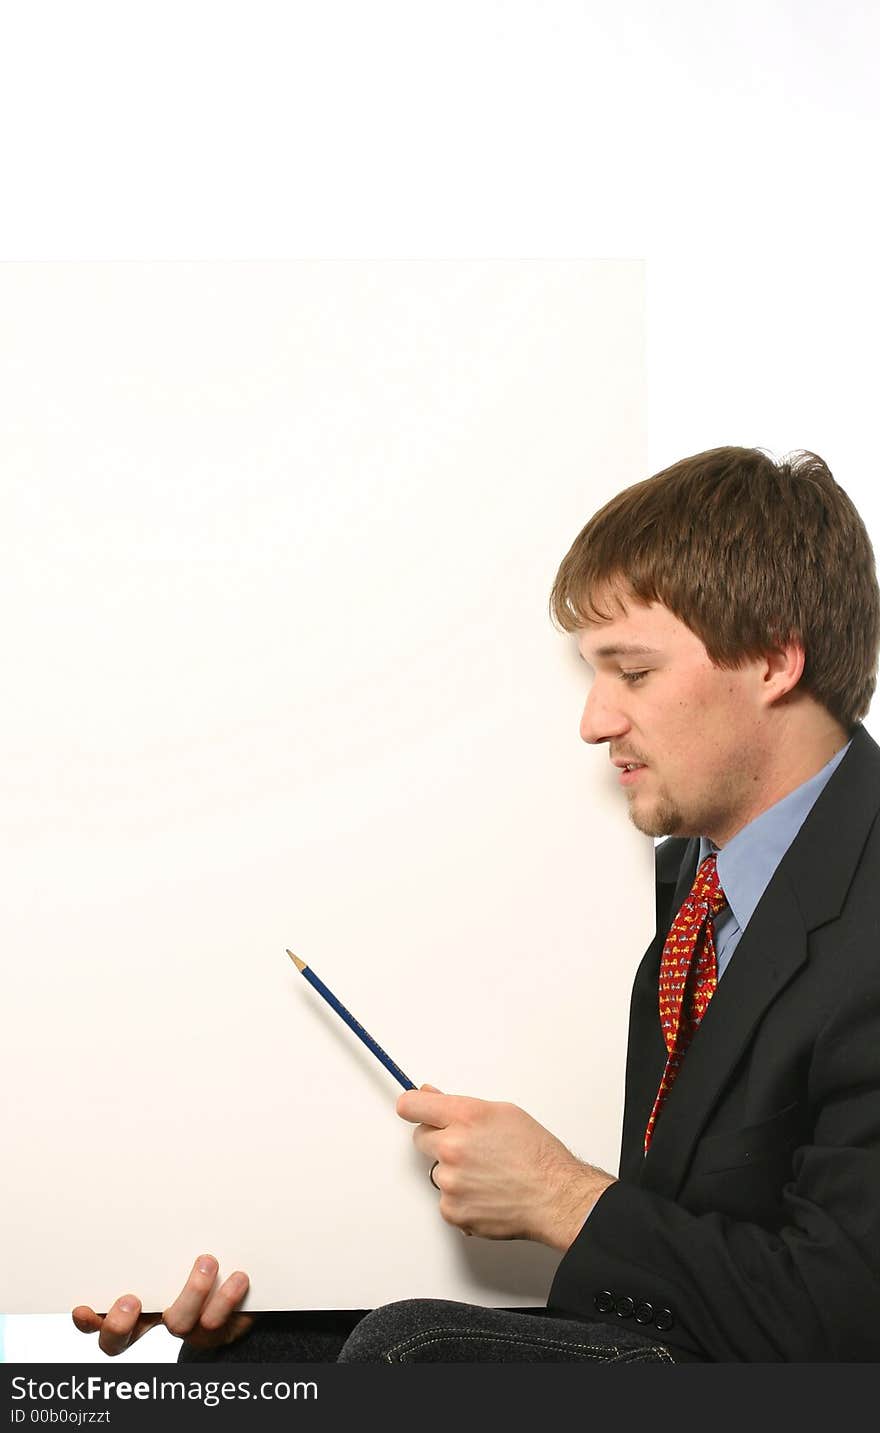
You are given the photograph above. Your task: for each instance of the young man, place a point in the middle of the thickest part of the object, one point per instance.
(730, 612)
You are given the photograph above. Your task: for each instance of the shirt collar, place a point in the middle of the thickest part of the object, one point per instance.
(748, 862)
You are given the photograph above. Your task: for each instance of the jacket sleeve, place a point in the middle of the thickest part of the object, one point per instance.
(729, 1290)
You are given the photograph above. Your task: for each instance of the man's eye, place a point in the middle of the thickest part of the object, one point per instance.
(632, 677)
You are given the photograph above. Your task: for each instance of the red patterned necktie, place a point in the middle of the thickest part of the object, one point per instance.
(688, 975)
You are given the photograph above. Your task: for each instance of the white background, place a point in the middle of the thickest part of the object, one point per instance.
(732, 147)
(279, 540)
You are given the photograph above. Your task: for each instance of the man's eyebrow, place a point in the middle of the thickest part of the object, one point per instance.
(623, 649)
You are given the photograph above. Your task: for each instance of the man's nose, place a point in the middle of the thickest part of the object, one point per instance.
(602, 717)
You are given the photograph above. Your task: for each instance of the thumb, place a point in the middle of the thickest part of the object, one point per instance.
(432, 1089)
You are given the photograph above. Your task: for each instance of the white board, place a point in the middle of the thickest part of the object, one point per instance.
(277, 546)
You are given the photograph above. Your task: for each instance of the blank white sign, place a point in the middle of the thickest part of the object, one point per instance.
(278, 541)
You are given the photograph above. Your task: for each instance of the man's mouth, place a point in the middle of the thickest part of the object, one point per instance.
(629, 771)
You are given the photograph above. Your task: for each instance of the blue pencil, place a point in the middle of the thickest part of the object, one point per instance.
(350, 1021)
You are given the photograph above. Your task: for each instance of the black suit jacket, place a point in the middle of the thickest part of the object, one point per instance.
(751, 1229)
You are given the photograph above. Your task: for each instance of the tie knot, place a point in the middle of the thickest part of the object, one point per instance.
(706, 890)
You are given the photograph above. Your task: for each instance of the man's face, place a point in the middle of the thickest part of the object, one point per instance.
(697, 732)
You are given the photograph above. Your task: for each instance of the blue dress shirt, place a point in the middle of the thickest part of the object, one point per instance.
(748, 862)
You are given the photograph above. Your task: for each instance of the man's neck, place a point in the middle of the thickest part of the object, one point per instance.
(797, 754)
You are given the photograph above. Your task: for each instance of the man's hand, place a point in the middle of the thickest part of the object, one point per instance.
(500, 1173)
(206, 1317)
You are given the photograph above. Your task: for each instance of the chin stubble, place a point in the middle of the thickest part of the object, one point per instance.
(664, 819)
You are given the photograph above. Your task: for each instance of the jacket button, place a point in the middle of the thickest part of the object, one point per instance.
(644, 1313)
(624, 1307)
(664, 1319)
(604, 1301)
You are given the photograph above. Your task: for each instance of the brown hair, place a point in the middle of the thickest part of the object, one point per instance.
(748, 553)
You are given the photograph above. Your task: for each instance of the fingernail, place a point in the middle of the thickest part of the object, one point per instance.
(237, 1284)
(207, 1265)
(128, 1304)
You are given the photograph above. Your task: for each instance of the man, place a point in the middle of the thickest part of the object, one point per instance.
(729, 609)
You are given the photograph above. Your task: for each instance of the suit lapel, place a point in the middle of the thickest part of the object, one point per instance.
(771, 950)
(808, 889)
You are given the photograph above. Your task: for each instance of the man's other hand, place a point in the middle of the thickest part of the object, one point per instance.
(206, 1317)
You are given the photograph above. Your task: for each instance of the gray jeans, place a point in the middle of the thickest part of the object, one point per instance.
(433, 1331)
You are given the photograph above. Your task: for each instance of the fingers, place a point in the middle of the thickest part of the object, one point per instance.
(427, 1140)
(185, 1312)
(204, 1315)
(219, 1323)
(118, 1325)
(224, 1301)
(234, 1328)
(85, 1319)
(122, 1325)
(430, 1107)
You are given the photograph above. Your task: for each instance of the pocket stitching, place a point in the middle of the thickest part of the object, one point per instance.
(760, 1136)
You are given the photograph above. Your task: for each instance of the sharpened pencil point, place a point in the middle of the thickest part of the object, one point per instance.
(300, 964)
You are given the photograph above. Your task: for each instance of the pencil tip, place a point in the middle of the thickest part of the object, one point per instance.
(300, 964)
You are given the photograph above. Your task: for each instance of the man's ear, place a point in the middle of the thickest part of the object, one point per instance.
(784, 667)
